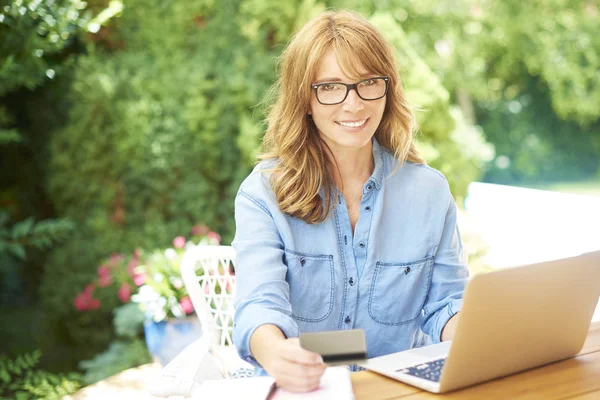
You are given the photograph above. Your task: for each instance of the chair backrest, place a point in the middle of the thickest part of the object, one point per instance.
(207, 272)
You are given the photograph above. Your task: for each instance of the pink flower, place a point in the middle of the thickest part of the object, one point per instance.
(179, 242)
(105, 281)
(186, 305)
(94, 304)
(124, 292)
(131, 265)
(89, 289)
(104, 278)
(115, 259)
(139, 279)
(206, 288)
(103, 271)
(214, 237)
(200, 230)
(84, 301)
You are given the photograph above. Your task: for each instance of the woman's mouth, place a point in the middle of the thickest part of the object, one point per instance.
(352, 124)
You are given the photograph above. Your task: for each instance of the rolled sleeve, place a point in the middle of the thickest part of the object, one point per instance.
(449, 278)
(262, 293)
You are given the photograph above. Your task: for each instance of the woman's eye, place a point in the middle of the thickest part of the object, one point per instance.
(368, 82)
(328, 87)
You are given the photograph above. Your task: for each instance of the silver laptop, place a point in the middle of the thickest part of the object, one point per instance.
(511, 320)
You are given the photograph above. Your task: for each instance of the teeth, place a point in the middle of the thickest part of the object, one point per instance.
(352, 124)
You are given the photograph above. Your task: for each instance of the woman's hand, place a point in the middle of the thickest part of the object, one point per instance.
(294, 368)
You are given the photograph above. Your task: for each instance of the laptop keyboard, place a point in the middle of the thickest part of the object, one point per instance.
(431, 370)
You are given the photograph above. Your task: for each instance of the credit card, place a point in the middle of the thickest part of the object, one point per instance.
(337, 347)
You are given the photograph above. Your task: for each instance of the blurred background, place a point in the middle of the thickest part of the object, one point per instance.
(125, 124)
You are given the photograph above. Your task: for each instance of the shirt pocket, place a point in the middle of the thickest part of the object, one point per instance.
(311, 285)
(399, 290)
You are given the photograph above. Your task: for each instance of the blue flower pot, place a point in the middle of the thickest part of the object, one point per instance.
(166, 339)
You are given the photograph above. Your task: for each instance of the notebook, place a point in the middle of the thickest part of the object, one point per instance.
(335, 384)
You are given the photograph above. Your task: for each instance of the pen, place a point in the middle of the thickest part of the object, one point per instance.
(271, 391)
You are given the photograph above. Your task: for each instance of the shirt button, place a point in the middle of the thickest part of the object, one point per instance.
(351, 281)
(347, 320)
(302, 261)
(369, 187)
(406, 270)
(361, 244)
(368, 208)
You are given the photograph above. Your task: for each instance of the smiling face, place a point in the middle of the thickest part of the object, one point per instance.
(352, 123)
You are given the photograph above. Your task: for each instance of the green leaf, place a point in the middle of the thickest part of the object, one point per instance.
(4, 375)
(20, 395)
(17, 369)
(9, 136)
(4, 217)
(17, 250)
(23, 228)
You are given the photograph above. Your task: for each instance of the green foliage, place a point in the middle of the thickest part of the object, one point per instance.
(128, 351)
(121, 355)
(487, 47)
(34, 33)
(531, 149)
(525, 73)
(154, 132)
(553, 40)
(447, 141)
(128, 320)
(10, 135)
(37, 41)
(21, 379)
(41, 235)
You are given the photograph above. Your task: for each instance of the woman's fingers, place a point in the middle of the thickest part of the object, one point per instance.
(296, 369)
(300, 378)
(293, 352)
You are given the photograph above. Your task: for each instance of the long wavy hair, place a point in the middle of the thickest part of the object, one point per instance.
(304, 165)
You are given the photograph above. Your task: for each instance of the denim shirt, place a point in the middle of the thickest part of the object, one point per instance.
(401, 274)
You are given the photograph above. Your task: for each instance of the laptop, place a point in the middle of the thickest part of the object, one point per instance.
(511, 320)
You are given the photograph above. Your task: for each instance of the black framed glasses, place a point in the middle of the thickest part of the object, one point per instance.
(330, 93)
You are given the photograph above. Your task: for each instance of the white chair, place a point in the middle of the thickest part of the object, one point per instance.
(207, 273)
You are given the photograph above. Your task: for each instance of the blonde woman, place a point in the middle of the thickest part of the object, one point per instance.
(342, 225)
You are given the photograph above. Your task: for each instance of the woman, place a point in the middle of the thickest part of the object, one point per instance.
(342, 225)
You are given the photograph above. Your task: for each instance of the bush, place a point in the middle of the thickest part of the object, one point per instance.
(127, 351)
(533, 145)
(22, 380)
(162, 134)
(446, 141)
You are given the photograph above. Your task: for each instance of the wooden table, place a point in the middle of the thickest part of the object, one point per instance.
(574, 378)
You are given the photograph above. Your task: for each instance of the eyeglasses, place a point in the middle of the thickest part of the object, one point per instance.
(330, 93)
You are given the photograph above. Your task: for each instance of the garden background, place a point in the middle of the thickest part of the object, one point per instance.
(123, 124)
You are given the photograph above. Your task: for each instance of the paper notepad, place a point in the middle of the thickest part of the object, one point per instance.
(244, 388)
(335, 384)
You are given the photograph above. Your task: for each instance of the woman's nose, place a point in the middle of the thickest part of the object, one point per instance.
(353, 102)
